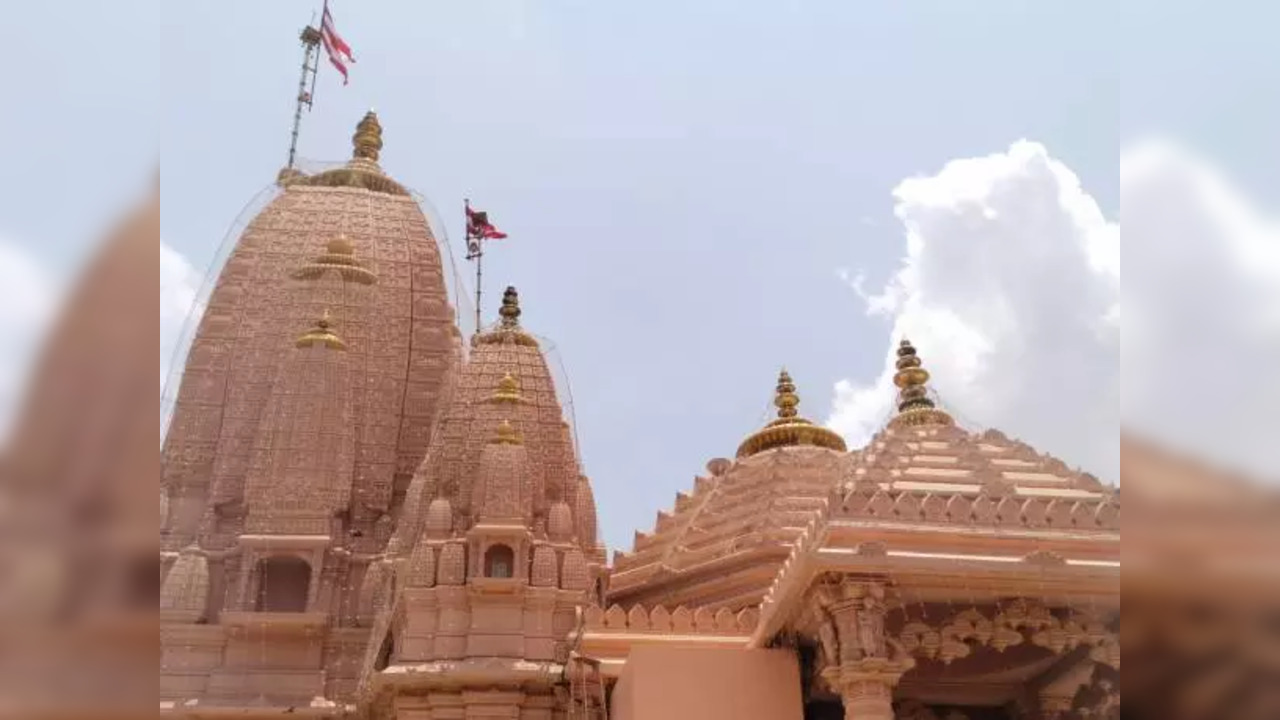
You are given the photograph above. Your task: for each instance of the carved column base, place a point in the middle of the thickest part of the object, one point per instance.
(866, 686)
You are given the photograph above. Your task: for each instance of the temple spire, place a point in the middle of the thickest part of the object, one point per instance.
(508, 328)
(510, 311)
(915, 407)
(786, 399)
(367, 142)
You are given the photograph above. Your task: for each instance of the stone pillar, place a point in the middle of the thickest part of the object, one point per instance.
(860, 664)
(866, 687)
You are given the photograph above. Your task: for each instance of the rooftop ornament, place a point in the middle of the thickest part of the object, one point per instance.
(508, 390)
(321, 334)
(362, 171)
(915, 407)
(507, 435)
(789, 429)
(340, 257)
(508, 329)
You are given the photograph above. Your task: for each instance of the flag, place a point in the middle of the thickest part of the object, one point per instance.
(337, 48)
(479, 227)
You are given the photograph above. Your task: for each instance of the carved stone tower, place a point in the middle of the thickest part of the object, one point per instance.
(501, 557)
(306, 404)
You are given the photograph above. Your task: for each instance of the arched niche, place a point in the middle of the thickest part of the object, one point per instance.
(499, 561)
(284, 584)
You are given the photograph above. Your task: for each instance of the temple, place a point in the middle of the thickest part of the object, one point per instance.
(365, 514)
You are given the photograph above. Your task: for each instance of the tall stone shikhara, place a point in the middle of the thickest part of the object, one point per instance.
(293, 440)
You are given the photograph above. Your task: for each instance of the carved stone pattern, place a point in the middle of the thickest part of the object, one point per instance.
(1016, 623)
(255, 311)
(660, 620)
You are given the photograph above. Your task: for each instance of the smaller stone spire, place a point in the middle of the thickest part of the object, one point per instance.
(510, 311)
(321, 334)
(507, 435)
(367, 142)
(915, 407)
(789, 429)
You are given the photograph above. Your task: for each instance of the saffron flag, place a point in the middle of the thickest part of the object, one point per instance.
(337, 48)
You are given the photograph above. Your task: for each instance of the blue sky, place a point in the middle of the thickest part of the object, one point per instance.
(684, 184)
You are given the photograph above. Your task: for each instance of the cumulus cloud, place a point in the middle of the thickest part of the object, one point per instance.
(30, 298)
(1201, 304)
(1010, 289)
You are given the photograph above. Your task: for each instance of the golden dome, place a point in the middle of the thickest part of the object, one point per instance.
(789, 429)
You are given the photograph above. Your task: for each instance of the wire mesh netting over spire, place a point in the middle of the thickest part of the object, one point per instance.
(460, 294)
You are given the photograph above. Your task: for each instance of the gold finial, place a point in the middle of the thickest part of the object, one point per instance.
(339, 256)
(340, 246)
(789, 429)
(508, 329)
(361, 171)
(915, 407)
(508, 390)
(506, 434)
(367, 141)
(321, 334)
(786, 400)
(510, 311)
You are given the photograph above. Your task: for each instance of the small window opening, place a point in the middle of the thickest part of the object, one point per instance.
(499, 562)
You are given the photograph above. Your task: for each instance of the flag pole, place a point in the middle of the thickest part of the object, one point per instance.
(475, 251)
(479, 262)
(310, 66)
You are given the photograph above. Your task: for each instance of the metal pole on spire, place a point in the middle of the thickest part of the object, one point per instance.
(479, 229)
(310, 67)
(475, 251)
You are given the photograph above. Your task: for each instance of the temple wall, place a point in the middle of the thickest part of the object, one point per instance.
(662, 683)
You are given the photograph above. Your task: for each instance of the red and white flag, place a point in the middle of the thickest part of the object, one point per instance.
(337, 48)
(479, 229)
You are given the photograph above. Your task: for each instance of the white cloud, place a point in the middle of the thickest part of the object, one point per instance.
(1201, 303)
(30, 297)
(1009, 288)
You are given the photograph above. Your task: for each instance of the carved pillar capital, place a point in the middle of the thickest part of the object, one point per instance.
(866, 686)
(860, 662)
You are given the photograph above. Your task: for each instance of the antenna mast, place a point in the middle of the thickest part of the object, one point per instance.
(310, 68)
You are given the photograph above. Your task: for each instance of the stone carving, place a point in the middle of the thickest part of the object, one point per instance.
(660, 620)
(1020, 621)
(994, 505)
(1045, 558)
